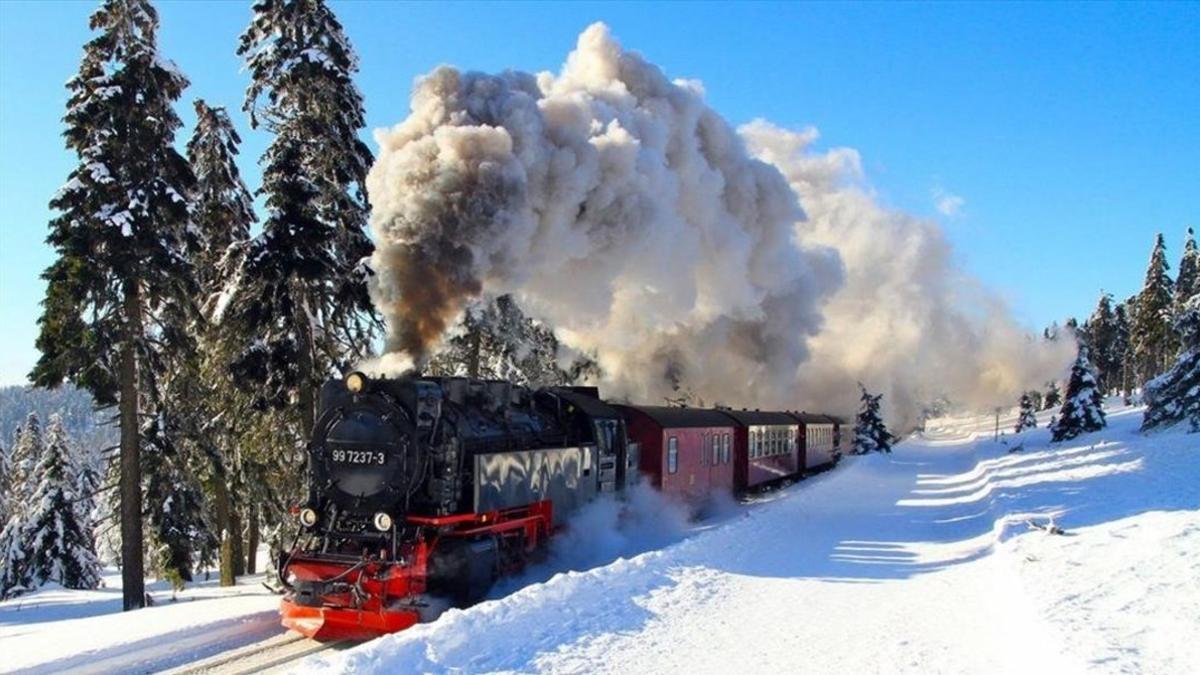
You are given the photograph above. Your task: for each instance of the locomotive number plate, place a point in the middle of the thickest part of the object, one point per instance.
(359, 456)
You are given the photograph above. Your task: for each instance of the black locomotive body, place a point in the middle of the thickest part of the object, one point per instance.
(438, 485)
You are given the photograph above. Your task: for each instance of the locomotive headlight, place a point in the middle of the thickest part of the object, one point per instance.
(308, 517)
(383, 522)
(356, 382)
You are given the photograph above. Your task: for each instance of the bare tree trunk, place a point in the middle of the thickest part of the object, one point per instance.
(308, 380)
(225, 525)
(473, 355)
(133, 585)
(252, 540)
(235, 540)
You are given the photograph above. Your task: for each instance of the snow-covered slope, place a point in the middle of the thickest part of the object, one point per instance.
(921, 561)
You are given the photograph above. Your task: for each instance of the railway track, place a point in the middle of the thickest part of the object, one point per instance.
(266, 656)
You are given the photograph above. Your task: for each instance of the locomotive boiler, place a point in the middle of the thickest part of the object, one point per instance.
(424, 487)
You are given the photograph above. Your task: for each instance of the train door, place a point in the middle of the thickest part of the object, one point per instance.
(712, 457)
(610, 446)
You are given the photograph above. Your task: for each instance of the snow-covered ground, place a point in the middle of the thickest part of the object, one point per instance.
(57, 631)
(921, 561)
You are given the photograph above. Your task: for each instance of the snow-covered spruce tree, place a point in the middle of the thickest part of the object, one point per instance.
(1083, 407)
(60, 546)
(870, 433)
(28, 446)
(1187, 284)
(85, 467)
(223, 209)
(1026, 418)
(5, 481)
(1174, 396)
(223, 215)
(15, 577)
(1121, 348)
(1053, 397)
(496, 340)
(119, 239)
(301, 302)
(1152, 339)
(1102, 335)
(176, 525)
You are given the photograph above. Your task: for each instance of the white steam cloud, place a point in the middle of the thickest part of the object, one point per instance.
(627, 214)
(618, 206)
(907, 321)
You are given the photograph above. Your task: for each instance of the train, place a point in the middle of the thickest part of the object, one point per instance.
(435, 487)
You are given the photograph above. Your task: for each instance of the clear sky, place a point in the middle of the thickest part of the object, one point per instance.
(1070, 131)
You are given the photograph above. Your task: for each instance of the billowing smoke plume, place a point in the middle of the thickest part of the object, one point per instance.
(907, 322)
(617, 206)
(622, 210)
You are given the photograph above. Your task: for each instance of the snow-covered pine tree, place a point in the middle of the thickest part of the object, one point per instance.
(5, 481)
(28, 446)
(223, 209)
(223, 215)
(1051, 332)
(14, 548)
(1026, 418)
(1071, 325)
(870, 433)
(120, 238)
(1103, 340)
(1053, 397)
(1083, 407)
(1187, 284)
(301, 300)
(1174, 396)
(496, 340)
(177, 527)
(1121, 349)
(1151, 335)
(85, 467)
(60, 546)
(14, 558)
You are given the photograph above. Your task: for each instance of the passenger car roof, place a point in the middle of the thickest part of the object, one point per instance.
(748, 417)
(679, 418)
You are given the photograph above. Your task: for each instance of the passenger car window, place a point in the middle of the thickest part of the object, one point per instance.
(672, 454)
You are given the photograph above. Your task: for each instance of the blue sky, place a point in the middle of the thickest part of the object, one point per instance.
(1070, 131)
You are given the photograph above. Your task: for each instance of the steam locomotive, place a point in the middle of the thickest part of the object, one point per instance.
(435, 487)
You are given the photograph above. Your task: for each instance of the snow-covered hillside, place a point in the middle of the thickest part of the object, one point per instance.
(919, 561)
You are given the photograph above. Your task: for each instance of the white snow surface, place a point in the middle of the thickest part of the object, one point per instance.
(919, 561)
(56, 630)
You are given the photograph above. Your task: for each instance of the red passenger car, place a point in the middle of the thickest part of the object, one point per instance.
(686, 452)
(818, 434)
(766, 447)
